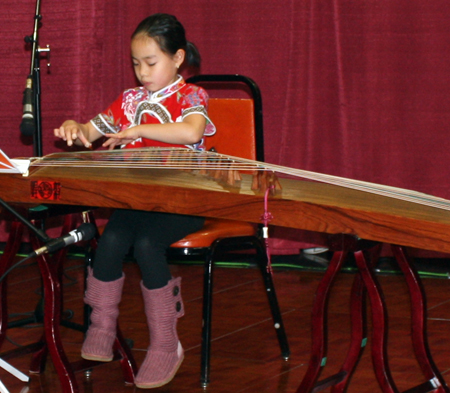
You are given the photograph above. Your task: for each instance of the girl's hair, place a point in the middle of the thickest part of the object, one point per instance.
(169, 33)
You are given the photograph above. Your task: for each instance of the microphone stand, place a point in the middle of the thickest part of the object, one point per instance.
(32, 120)
(34, 83)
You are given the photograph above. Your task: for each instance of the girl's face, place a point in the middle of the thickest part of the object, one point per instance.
(154, 68)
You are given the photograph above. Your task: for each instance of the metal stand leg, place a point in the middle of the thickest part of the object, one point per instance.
(18, 374)
(13, 371)
(3, 388)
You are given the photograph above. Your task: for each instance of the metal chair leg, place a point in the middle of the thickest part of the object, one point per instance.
(207, 316)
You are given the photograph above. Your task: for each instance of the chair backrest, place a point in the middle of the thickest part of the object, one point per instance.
(238, 120)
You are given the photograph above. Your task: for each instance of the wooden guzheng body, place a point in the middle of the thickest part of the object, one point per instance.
(182, 181)
(213, 185)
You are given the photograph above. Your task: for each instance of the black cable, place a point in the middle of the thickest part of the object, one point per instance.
(15, 265)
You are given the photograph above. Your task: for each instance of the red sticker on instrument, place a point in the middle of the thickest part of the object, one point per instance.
(46, 190)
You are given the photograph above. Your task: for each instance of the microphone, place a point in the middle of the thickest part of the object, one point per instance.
(85, 231)
(28, 124)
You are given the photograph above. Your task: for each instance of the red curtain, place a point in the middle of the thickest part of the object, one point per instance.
(358, 89)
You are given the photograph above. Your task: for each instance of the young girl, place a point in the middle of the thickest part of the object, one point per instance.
(164, 111)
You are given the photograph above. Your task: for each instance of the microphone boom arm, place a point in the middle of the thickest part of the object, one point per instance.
(42, 236)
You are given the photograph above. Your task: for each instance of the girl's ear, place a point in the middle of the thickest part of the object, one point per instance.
(179, 57)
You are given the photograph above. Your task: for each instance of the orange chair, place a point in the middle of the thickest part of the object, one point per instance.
(239, 133)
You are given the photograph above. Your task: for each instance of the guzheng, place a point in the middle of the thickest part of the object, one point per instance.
(214, 185)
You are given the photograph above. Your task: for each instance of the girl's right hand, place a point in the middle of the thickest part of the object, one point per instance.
(72, 132)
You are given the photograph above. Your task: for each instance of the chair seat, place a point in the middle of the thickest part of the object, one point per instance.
(214, 229)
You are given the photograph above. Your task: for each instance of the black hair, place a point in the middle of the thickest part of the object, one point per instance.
(169, 33)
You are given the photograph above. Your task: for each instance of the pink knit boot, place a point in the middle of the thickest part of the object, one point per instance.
(104, 298)
(163, 306)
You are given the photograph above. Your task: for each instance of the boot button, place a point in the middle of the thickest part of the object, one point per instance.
(178, 306)
(176, 290)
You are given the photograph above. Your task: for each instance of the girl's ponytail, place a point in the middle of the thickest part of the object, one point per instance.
(193, 58)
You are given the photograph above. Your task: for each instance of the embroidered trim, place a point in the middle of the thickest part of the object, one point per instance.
(102, 125)
(195, 109)
(169, 90)
(210, 129)
(157, 110)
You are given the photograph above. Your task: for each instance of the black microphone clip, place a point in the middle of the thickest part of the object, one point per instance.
(85, 231)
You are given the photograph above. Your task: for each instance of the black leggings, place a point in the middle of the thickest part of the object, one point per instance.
(151, 234)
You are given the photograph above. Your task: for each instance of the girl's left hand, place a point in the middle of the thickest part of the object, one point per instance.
(121, 138)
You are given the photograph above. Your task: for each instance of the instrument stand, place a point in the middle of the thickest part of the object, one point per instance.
(366, 253)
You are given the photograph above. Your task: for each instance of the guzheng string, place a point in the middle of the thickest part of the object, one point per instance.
(185, 159)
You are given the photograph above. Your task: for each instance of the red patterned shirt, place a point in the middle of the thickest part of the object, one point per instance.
(169, 105)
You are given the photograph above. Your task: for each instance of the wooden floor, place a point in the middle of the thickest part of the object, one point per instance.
(245, 353)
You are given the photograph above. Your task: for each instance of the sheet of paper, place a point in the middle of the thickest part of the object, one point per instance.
(8, 165)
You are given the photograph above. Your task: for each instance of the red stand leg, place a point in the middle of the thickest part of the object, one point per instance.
(319, 326)
(419, 324)
(366, 256)
(51, 270)
(342, 244)
(52, 316)
(379, 324)
(359, 334)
